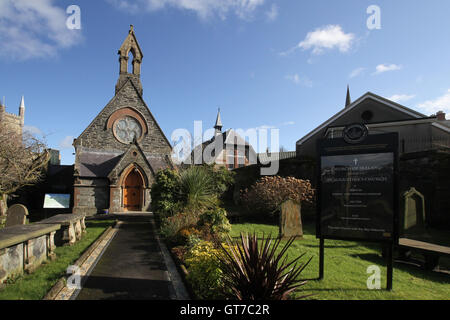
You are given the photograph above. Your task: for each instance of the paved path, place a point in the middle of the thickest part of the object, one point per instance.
(132, 267)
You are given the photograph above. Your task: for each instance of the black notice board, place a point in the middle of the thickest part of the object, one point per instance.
(357, 189)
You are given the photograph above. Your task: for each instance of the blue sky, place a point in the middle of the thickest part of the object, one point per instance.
(265, 63)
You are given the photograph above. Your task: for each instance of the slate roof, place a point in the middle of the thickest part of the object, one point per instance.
(97, 164)
(100, 164)
(158, 162)
(274, 156)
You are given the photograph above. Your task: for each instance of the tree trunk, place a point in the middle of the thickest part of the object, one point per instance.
(3, 204)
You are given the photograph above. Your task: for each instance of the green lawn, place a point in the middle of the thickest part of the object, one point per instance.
(346, 266)
(36, 285)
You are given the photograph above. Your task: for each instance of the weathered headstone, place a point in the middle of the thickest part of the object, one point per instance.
(16, 215)
(290, 220)
(414, 214)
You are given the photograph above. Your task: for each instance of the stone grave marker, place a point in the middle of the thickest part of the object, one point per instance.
(414, 214)
(16, 215)
(290, 220)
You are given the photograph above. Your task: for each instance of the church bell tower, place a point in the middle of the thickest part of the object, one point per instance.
(130, 45)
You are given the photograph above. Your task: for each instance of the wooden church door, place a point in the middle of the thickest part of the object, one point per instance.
(132, 191)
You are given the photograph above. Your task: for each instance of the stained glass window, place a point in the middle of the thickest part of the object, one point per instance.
(127, 129)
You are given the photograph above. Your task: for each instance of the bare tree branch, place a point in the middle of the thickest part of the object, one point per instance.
(23, 159)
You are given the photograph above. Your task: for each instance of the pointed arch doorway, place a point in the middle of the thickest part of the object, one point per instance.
(133, 186)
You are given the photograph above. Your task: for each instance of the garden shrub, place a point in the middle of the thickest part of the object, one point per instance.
(179, 252)
(204, 273)
(185, 234)
(171, 225)
(165, 192)
(181, 198)
(268, 193)
(197, 189)
(214, 223)
(222, 178)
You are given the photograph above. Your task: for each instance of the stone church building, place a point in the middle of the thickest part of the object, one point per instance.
(11, 121)
(118, 154)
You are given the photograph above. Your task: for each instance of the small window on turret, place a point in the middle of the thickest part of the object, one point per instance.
(130, 62)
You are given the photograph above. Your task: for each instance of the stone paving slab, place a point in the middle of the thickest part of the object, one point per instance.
(132, 267)
(70, 292)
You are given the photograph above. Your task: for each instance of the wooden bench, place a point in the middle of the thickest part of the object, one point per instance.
(72, 227)
(430, 251)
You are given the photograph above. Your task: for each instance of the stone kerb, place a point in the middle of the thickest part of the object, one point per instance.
(72, 227)
(24, 247)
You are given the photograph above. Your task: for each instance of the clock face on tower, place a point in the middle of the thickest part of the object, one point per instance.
(127, 129)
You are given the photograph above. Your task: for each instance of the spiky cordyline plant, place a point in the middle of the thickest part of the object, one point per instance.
(197, 188)
(254, 272)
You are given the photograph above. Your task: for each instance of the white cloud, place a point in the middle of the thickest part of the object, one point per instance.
(441, 103)
(34, 29)
(402, 97)
(272, 14)
(381, 68)
(66, 143)
(32, 130)
(288, 123)
(203, 8)
(356, 72)
(325, 38)
(303, 81)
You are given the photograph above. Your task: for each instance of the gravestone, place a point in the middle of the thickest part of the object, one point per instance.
(290, 220)
(16, 215)
(414, 212)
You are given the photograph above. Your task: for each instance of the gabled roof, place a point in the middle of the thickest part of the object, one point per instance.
(120, 165)
(229, 137)
(366, 96)
(142, 100)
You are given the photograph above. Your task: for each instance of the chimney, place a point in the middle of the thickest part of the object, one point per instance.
(440, 115)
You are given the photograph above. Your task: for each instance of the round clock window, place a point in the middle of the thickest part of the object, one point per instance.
(127, 129)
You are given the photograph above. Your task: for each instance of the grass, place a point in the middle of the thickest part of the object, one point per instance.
(346, 266)
(36, 285)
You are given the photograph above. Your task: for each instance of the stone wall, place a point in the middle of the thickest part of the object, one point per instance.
(428, 173)
(11, 262)
(23, 248)
(11, 121)
(91, 196)
(96, 136)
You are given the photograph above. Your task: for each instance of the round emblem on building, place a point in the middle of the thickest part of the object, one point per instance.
(127, 129)
(355, 133)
